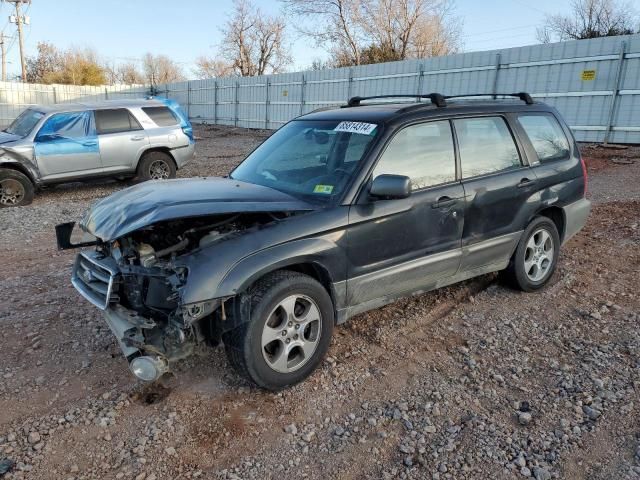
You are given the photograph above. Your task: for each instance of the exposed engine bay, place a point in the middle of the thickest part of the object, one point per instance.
(142, 291)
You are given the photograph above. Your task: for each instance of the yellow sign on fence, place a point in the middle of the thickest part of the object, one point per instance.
(588, 75)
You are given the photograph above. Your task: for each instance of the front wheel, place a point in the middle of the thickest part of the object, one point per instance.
(156, 166)
(16, 190)
(288, 332)
(536, 256)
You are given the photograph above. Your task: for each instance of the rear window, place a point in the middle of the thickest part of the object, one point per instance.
(546, 135)
(162, 116)
(115, 121)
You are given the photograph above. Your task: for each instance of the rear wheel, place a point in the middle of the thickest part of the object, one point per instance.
(288, 332)
(16, 189)
(156, 166)
(536, 256)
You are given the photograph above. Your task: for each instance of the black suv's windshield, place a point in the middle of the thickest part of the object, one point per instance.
(313, 159)
(25, 122)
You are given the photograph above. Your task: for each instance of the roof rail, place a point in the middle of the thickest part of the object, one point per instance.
(436, 98)
(524, 96)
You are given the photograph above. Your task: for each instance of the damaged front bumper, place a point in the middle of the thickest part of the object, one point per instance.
(151, 344)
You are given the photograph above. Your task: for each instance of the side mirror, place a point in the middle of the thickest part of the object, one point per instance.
(390, 186)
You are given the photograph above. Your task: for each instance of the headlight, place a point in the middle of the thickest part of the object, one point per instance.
(196, 311)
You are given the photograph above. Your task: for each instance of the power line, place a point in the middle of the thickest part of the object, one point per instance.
(20, 20)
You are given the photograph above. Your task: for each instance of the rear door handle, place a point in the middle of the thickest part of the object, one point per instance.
(525, 182)
(444, 202)
(137, 138)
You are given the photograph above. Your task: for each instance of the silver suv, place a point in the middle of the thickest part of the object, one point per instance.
(147, 138)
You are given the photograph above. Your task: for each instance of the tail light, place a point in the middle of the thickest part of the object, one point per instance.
(188, 131)
(584, 175)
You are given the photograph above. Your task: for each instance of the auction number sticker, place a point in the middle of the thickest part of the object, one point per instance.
(356, 127)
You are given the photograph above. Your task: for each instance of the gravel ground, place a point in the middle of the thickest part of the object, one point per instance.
(471, 381)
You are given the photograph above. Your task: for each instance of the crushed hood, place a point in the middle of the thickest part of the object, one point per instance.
(161, 200)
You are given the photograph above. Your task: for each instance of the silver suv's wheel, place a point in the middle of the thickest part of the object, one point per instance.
(536, 256)
(156, 165)
(281, 337)
(15, 188)
(159, 170)
(291, 334)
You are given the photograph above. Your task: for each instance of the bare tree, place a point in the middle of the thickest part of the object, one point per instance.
(209, 67)
(129, 74)
(371, 31)
(159, 69)
(254, 43)
(590, 19)
(335, 24)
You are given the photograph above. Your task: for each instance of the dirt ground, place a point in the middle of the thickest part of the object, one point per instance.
(470, 381)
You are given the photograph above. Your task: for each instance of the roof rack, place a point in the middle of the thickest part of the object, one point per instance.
(436, 98)
(524, 96)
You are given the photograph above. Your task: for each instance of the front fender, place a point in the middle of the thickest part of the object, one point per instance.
(325, 252)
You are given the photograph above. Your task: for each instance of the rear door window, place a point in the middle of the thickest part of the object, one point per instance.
(423, 152)
(546, 136)
(115, 120)
(162, 116)
(486, 146)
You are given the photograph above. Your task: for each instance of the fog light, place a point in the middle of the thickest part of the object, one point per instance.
(148, 368)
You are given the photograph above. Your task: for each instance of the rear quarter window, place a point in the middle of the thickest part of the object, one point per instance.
(161, 116)
(115, 120)
(546, 136)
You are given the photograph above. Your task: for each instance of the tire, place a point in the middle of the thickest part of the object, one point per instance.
(156, 166)
(16, 190)
(536, 257)
(260, 353)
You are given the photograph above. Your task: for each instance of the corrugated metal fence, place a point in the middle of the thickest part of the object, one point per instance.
(595, 84)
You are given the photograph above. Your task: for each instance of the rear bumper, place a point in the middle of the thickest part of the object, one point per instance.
(184, 155)
(575, 215)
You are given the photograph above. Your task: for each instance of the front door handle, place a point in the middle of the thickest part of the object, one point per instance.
(525, 182)
(444, 202)
(137, 138)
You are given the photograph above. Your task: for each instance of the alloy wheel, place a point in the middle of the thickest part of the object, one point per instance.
(291, 333)
(159, 170)
(538, 255)
(11, 192)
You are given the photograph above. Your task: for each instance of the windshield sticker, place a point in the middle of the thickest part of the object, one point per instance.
(326, 189)
(356, 127)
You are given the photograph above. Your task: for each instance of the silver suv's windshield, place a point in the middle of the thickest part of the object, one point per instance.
(25, 122)
(312, 159)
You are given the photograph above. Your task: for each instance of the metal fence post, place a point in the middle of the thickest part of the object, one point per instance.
(495, 77)
(420, 82)
(55, 95)
(106, 93)
(189, 99)
(614, 93)
(303, 82)
(266, 105)
(235, 115)
(215, 102)
(350, 87)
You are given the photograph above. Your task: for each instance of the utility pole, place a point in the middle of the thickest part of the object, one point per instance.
(19, 20)
(3, 49)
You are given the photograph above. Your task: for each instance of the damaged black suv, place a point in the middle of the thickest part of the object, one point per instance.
(338, 212)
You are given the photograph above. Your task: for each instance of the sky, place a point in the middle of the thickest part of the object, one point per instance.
(124, 30)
